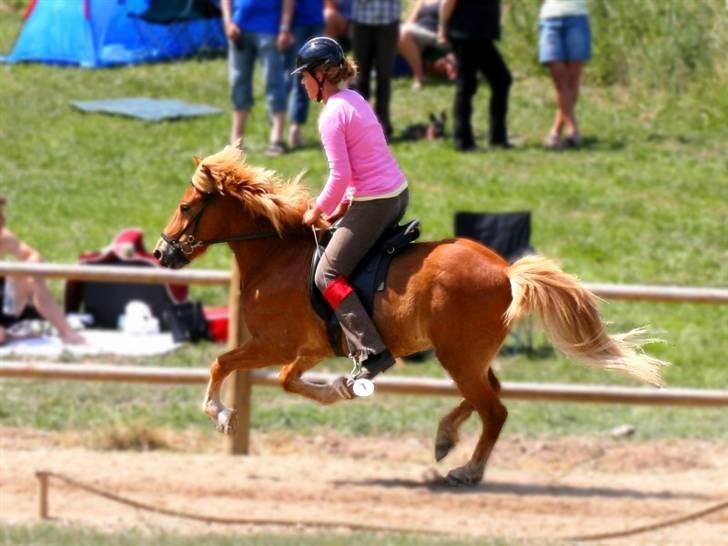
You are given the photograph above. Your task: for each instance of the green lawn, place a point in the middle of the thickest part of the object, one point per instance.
(645, 201)
(52, 535)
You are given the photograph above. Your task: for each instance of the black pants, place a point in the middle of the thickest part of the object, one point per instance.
(375, 46)
(475, 56)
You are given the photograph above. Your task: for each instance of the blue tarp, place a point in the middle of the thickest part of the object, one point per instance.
(100, 33)
(147, 109)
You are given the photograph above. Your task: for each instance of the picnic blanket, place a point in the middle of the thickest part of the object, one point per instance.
(112, 342)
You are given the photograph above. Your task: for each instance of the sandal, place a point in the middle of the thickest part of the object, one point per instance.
(572, 141)
(275, 149)
(553, 142)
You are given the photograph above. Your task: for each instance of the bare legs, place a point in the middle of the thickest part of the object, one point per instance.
(566, 77)
(240, 118)
(30, 288)
(411, 52)
(239, 121)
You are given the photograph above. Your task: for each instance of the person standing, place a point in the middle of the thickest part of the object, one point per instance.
(375, 37)
(472, 28)
(258, 29)
(308, 21)
(564, 45)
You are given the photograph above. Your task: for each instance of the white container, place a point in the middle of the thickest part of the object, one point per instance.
(9, 297)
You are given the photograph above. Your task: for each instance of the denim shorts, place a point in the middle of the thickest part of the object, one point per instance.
(564, 39)
(241, 61)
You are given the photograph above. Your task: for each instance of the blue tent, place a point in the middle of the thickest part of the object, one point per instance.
(100, 33)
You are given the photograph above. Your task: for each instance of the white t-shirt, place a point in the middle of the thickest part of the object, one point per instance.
(563, 8)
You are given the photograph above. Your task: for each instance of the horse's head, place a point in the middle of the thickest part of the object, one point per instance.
(227, 201)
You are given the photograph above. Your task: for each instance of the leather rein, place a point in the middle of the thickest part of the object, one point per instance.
(188, 243)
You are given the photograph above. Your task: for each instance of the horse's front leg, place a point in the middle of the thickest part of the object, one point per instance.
(254, 353)
(290, 380)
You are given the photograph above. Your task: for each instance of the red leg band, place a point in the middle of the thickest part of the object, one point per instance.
(337, 291)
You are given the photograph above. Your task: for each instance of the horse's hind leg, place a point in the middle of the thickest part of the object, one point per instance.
(447, 431)
(482, 394)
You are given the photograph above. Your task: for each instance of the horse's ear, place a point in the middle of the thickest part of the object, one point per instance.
(197, 159)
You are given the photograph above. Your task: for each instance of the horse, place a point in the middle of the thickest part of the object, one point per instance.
(454, 296)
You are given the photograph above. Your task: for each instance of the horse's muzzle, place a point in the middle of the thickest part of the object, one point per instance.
(169, 255)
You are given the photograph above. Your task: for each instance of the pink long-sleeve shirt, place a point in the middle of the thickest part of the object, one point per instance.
(359, 159)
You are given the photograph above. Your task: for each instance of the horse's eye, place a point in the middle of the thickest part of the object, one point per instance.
(184, 208)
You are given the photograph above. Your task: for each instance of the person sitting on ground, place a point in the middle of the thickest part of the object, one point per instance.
(365, 188)
(418, 38)
(27, 289)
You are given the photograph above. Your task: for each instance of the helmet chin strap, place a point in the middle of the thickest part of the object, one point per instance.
(320, 93)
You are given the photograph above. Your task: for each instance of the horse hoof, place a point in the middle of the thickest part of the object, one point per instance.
(460, 478)
(225, 421)
(442, 449)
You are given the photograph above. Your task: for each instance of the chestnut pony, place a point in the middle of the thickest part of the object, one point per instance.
(455, 296)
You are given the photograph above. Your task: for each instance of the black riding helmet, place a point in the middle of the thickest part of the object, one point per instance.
(317, 52)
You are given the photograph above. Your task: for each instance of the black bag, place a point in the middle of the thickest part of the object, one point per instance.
(187, 321)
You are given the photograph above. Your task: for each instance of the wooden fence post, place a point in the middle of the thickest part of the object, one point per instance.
(238, 389)
(42, 494)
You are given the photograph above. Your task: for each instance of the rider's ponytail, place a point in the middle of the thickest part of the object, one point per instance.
(344, 73)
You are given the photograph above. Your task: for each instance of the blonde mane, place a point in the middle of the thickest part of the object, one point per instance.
(261, 191)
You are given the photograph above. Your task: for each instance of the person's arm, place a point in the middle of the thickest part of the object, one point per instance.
(285, 34)
(232, 30)
(333, 138)
(446, 9)
(22, 251)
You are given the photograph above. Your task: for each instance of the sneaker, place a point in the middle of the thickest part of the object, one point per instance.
(275, 149)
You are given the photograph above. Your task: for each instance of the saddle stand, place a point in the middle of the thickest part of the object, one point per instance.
(368, 278)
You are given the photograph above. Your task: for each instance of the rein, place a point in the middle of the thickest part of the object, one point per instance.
(188, 243)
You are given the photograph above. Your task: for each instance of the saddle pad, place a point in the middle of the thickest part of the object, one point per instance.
(368, 278)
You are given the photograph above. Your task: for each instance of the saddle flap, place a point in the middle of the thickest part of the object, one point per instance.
(368, 277)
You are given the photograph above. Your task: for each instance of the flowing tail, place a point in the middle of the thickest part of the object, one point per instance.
(570, 316)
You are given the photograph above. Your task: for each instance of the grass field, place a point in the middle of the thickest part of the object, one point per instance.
(47, 535)
(645, 201)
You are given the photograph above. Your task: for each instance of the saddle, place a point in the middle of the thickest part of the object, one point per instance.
(368, 278)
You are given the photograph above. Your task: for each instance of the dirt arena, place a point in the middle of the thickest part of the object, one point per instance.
(547, 489)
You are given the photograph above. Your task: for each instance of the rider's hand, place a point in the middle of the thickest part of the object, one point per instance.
(312, 215)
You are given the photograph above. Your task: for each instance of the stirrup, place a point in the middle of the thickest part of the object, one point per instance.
(361, 386)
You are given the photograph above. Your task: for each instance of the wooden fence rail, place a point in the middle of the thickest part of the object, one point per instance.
(240, 382)
(684, 294)
(385, 384)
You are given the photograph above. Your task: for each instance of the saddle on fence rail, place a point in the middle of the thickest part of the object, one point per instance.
(368, 278)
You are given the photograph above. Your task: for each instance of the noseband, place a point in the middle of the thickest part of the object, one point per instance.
(184, 245)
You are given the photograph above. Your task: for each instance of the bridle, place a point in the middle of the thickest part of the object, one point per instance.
(185, 244)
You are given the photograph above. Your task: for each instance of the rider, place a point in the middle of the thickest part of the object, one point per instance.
(366, 188)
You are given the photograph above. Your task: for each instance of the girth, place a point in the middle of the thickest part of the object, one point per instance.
(368, 278)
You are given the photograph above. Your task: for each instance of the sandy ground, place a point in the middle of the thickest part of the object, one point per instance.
(547, 489)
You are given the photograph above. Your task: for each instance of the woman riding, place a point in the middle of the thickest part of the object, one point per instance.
(365, 188)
